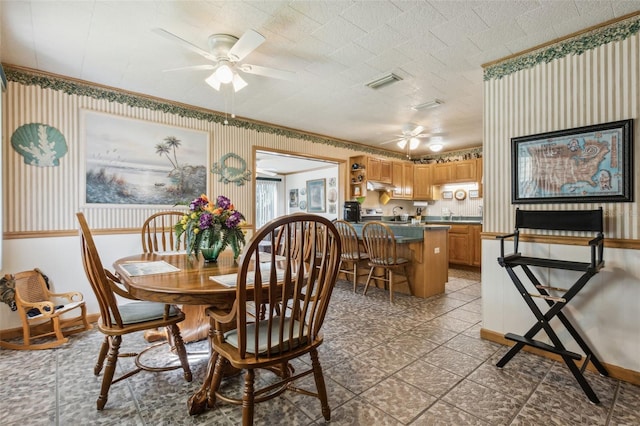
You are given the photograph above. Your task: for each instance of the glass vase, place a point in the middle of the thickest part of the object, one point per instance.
(212, 248)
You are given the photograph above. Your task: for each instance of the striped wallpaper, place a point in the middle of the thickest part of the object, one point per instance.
(45, 199)
(598, 86)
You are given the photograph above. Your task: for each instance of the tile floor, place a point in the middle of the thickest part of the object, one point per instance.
(418, 362)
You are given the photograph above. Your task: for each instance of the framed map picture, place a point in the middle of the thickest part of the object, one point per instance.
(585, 164)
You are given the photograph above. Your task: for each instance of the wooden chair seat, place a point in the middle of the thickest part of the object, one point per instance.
(45, 314)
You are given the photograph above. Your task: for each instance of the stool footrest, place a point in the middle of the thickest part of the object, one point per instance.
(542, 346)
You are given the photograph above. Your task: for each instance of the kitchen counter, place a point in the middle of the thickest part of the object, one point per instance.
(435, 220)
(427, 247)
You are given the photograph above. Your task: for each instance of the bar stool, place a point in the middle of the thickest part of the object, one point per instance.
(380, 242)
(352, 255)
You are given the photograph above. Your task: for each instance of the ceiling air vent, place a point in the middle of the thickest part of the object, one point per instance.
(431, 104)
(383, 81)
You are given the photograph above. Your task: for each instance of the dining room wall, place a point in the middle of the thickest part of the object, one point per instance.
(536, 93)
(39, 203)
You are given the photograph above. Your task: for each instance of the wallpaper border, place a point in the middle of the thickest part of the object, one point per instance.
(69, 86)
(577, 45)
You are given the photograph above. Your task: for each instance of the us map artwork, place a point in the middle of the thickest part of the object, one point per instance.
(579, 165)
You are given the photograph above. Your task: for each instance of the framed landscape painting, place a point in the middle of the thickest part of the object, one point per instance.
(585, 164)
(316, 196)
(136, 162)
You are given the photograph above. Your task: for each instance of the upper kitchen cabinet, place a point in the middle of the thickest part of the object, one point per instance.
(379, 170)
(457, 172)
(463, 171)
(441, 173)
(479, 171)
(423, 182)
(358, 176)
(402, 180)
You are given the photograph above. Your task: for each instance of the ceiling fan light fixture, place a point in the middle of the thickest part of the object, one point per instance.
(213, 81)
(431, 104)
(224, 73)
(402, 143)
(238, 83)
(436, 147)
(413, 143)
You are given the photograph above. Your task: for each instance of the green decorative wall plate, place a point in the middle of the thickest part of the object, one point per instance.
(39, 144)
(232, 168)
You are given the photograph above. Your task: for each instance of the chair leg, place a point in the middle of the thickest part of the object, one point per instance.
(218, 367)
(248, 398)
(101, 356)
(391, 282)
(355, 276)
(112, 360)
(182, 352)
(366, 285)
(85, 321)
(55, 322)
(320, 385)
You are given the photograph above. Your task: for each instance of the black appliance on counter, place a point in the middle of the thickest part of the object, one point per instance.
(352, 211)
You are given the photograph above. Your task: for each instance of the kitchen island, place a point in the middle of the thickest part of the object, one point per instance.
(427, 248)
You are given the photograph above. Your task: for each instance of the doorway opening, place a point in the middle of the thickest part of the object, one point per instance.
(290, 183)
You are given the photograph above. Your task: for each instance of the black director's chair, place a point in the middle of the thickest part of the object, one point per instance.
(555, 220)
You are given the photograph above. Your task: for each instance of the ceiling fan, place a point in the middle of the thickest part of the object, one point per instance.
(226, 52)
(411, 135)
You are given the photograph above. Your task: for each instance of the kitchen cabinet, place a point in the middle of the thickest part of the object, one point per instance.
(441, 173)
(402, 180)
(456, 172)
(476, 242)
(463, 171)
(379, 170)
(422, 182)
(357, 176)
(465, 245)
(459, 247)
(479, 174)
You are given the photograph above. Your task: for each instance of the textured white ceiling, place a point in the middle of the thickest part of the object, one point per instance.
(334, 47)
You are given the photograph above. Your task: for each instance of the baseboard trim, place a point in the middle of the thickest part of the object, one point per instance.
(615, 371)
(16, 333)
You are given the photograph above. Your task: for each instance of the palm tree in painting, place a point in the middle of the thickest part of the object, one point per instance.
(173, 142)
(164, 149)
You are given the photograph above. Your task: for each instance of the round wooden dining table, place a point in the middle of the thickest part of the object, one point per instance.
(188, 285)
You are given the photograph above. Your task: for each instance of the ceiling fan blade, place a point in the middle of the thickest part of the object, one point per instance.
(417, 131)
(267, 72)
(392, 141)
(249, 41)
(184, 43)
(192, 67)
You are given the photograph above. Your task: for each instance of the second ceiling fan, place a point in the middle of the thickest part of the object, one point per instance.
(410, 137)
(226, 52)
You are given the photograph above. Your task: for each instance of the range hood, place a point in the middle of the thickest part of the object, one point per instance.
(373, 185)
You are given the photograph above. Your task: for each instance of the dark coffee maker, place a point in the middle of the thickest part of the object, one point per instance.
(352, 211)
